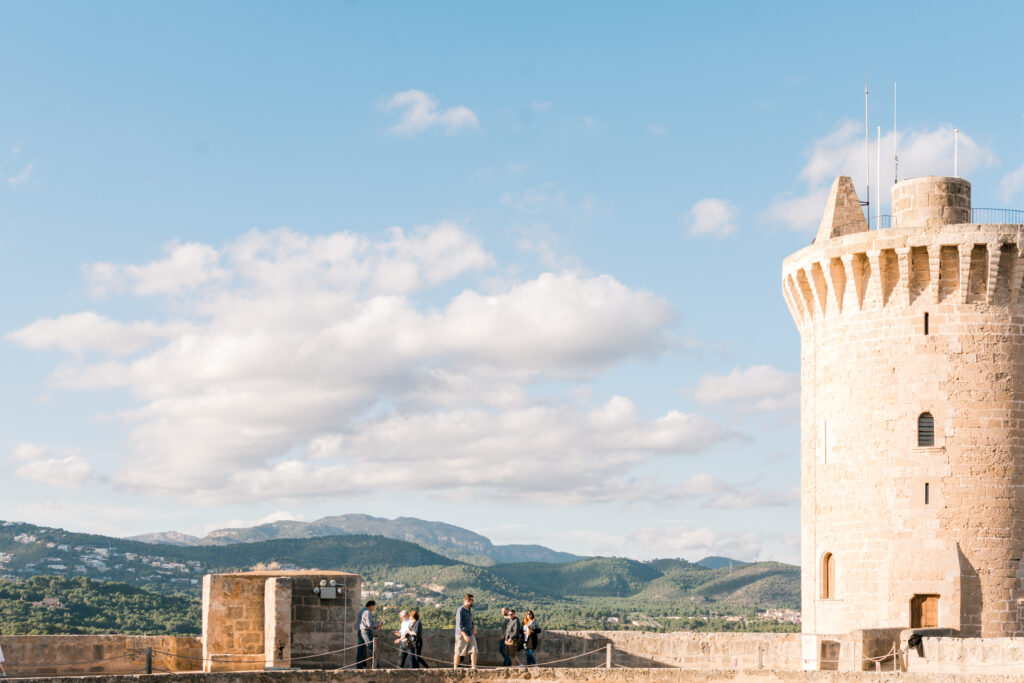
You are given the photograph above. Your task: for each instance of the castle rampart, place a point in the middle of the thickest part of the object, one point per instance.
(912, 416)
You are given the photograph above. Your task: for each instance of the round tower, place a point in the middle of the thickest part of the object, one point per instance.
(912, 415)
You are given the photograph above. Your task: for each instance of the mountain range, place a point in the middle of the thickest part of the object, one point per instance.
(445, 539)
(590, 592)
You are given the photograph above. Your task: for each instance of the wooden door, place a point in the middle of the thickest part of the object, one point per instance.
(924, 611)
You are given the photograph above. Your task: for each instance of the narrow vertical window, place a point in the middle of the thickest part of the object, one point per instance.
(828, 577)
(926, 324)
(926, 493)
(925, 430)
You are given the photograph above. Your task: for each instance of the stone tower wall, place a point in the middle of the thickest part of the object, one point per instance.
(868, 370)
(931, 201)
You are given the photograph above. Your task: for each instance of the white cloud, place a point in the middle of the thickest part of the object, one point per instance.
(655, 129)
(586, 456)
(38, 463)
(756, 388)
(712, 216)
(420, 112)
(1012, 183)
(21, 177)
(79, 333)
(186, 267)
(693, 543)
(327, 365)
(841, 152)
(237, 523)
(754, 497)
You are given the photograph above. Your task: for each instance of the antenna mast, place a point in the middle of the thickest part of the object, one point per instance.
(956, 152)
(867, 153)
(895, 159)
(878, 188)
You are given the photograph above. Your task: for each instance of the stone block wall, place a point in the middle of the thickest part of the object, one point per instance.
(555, 675)
(779, 651)
(95, 655)
(931, 201)
(948, 655)
(254, 620)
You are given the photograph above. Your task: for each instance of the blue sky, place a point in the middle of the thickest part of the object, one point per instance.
(513, 266)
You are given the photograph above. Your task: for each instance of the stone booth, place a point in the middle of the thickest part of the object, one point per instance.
(258, 620)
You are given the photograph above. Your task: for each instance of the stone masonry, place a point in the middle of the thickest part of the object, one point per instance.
(924, 317)
(275, 619)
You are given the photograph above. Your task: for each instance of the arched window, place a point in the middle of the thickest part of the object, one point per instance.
(925, 430)
(828, 576)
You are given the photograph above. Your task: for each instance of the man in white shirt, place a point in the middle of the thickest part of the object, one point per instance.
(402, 641)
(3, 671)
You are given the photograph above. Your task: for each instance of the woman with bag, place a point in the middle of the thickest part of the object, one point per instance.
(414, 640)
(513, 637)
(531, 629)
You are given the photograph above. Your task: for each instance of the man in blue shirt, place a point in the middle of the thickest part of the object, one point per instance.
(465, 632)
(364, 638)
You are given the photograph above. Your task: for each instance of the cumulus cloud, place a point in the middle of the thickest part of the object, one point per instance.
(841, 152)
(1012, 183)
(300, 365)
(420, 111)
(711, 216)
(185, 268)
(757, 388)
(21, 177)
(693, 543)
(67, 469)
(79, 333)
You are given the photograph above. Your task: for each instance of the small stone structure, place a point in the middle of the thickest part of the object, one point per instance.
(912, 417)
(253, 620)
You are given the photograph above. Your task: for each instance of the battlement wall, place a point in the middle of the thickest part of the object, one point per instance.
(616, 675)
(900, 268)
(118, 654)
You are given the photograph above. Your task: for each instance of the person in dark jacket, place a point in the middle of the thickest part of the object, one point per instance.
(531, 629)
(513, 637)
(414, 636)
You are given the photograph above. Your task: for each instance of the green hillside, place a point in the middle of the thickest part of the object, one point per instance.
(85, 606)
(596, 592)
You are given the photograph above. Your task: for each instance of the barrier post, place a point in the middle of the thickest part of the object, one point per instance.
(373, 653)
(149, 660)
(608, 656)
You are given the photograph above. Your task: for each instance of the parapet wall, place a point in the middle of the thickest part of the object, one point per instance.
(686, 649)
(967, 655)
(96, 655)
(63, 655)
(559, 676)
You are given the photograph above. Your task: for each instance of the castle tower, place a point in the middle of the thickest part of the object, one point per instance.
(912, 415)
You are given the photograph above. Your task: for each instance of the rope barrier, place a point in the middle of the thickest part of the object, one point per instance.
(229, 660)
(91, 661)
(585, 654)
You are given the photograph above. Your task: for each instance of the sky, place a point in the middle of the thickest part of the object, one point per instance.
(513, 266)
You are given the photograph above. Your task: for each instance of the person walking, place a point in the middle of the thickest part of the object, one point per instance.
(415, 637)
(513, 637)
(531, 629)
(400, 639)
(465, 632)
(3, 671)
(505, 661)
(364, 638)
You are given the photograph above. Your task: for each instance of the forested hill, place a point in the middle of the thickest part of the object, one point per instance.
(587, 593)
